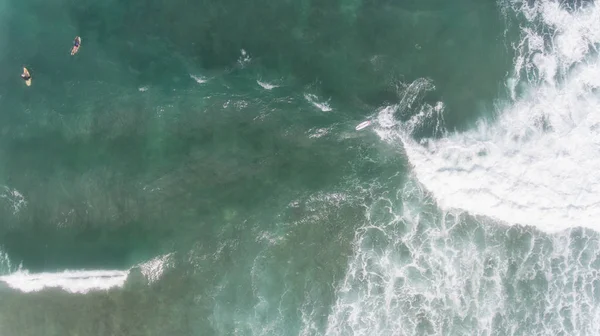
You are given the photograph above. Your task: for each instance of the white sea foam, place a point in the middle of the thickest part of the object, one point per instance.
(69, 281)
(416, 270)
(402, 282)
(317, 133)
(154, 269)
(538, 163)
(266, 86)
(82, 281)
(14, 198)
(313, 99)
(244, 58)
(199, 79)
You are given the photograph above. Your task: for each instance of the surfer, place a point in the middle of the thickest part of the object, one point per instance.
(26, 76)
(76, 44)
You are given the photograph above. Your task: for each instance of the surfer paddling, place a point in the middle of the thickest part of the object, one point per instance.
(76, 45)
(26, 76)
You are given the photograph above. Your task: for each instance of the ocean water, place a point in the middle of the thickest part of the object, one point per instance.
(195, 168)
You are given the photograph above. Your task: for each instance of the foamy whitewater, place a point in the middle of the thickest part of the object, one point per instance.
(80, 281)
(313, 99)
(420, 271)
(538, 163)
(69, 281)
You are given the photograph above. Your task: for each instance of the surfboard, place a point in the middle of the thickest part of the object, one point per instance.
(363, 125)
(25, 71)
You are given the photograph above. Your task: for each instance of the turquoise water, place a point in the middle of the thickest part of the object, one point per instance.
(216, 141)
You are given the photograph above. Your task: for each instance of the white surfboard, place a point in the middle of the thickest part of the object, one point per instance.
(363, 125)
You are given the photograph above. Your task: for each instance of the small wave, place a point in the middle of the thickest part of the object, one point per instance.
(199, 79)
(82, 281)
(244, 58)
(70, 281)
(313, 99)
(267, 86)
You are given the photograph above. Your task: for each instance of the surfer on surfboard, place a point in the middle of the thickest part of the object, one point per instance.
(26, 76)
(76, 44)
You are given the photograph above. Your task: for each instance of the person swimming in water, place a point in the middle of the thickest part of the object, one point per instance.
(26, 76)
(76, 44)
